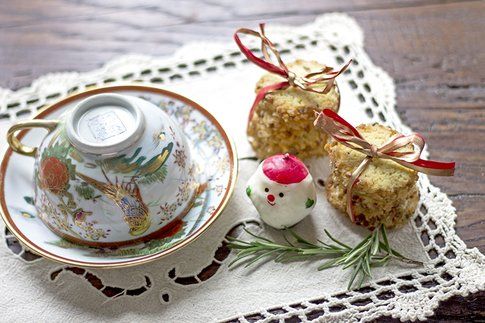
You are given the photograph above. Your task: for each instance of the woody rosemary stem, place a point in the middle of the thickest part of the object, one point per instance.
(373, 251)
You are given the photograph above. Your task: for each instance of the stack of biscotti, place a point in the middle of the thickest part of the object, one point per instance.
(283, 120)
(385, 193)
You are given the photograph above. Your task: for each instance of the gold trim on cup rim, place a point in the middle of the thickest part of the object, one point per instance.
(143, 259)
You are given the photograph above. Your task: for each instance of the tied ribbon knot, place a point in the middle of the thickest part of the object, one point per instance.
(310, 82)
(346, 134)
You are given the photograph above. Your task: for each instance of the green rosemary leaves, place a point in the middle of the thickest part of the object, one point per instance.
(374, 250)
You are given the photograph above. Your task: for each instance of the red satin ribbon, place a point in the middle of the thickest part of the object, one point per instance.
(306, 82)
(346, 134)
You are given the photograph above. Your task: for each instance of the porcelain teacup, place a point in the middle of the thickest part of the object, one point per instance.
(104, 168)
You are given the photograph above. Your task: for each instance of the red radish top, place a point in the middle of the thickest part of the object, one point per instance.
(284, 169)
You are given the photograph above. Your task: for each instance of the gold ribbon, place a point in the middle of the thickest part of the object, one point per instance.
(346, 134)
(306, 82)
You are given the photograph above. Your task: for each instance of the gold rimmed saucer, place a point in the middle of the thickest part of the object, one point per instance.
(211, 147)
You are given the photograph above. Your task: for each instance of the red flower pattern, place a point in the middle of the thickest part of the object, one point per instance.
(53, 175)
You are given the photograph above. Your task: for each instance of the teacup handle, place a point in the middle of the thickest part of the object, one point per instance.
(15, 143)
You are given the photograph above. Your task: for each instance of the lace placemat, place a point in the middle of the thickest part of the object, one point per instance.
(194, 284)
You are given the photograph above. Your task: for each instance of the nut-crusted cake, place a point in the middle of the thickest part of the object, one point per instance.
(385, 193)
(283, 121)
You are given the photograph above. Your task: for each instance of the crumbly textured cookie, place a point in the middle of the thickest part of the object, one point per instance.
(283, 120)
(386, 192)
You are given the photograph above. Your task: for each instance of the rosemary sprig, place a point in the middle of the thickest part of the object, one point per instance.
(374, 250)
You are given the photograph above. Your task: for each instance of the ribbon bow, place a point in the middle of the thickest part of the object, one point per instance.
(307, 82)
(346, 134)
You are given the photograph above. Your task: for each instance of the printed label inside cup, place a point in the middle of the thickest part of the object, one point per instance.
(105, 126)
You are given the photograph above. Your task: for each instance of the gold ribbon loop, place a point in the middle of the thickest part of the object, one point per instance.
(347, 135)
(310, 82)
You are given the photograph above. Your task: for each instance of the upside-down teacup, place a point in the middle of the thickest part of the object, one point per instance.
(104, 168)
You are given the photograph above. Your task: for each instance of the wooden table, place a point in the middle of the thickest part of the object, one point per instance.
(434, 50)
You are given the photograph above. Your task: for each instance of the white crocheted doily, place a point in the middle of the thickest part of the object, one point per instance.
(194, 284)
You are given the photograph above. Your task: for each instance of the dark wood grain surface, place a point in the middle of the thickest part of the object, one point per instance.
(434, 50)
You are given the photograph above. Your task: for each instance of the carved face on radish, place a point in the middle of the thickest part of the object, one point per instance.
(282, 190)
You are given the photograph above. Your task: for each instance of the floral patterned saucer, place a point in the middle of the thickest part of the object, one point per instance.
(211, 148)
